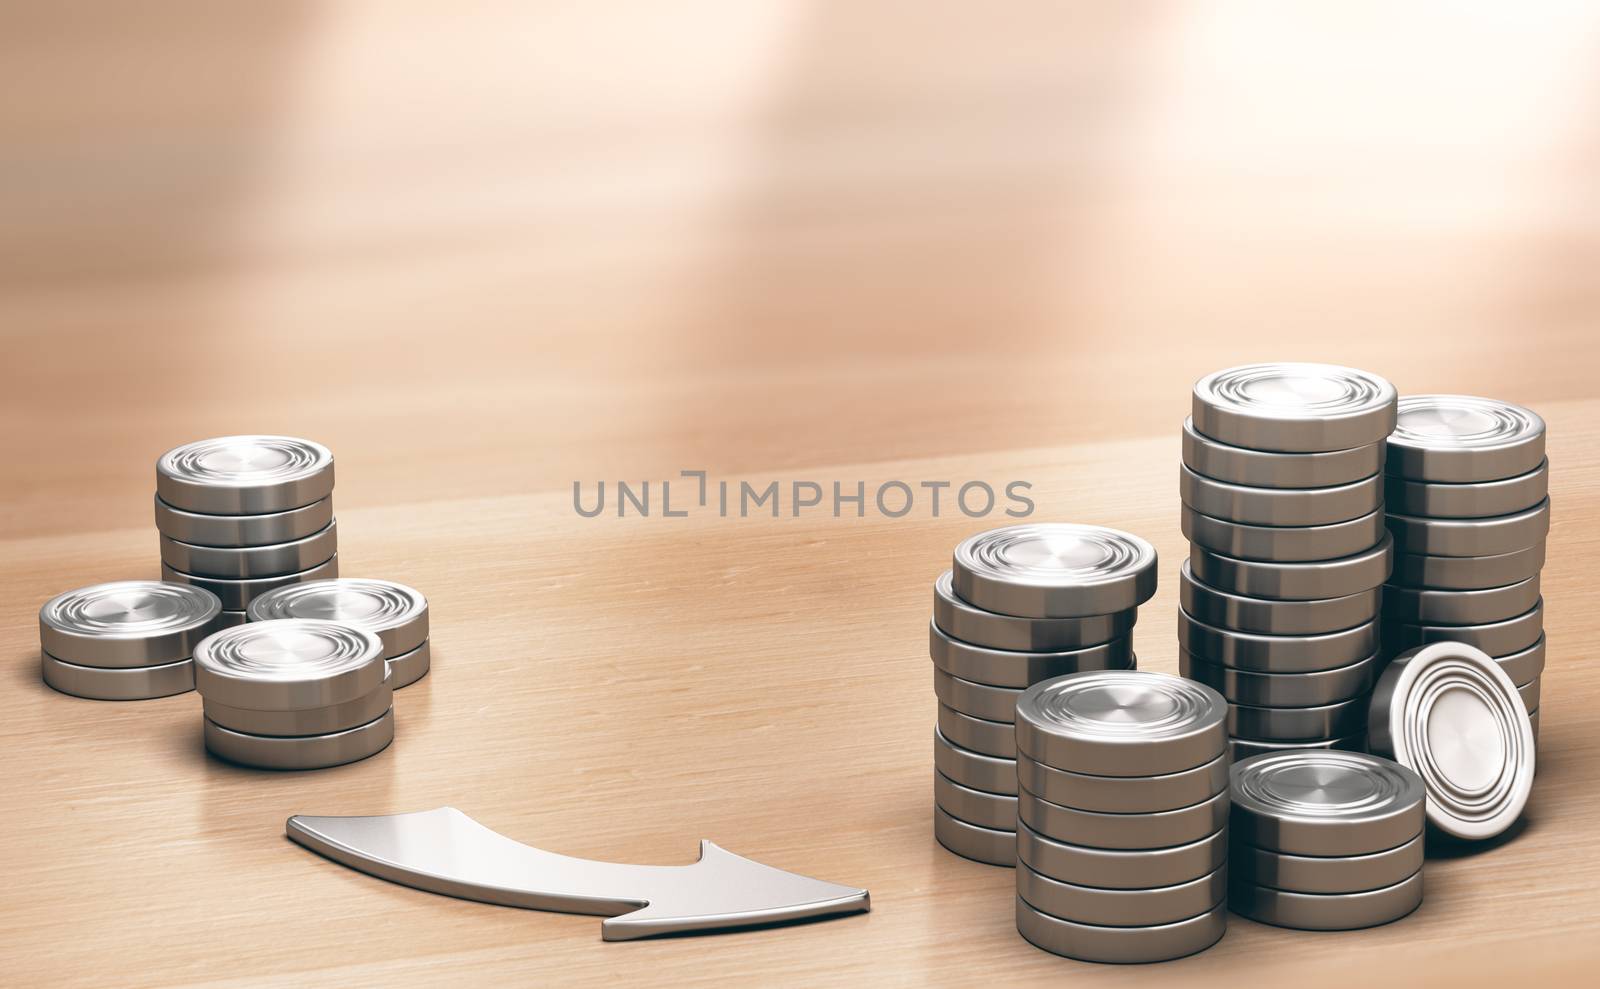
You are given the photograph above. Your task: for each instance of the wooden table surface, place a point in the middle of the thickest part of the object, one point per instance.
(486, 252)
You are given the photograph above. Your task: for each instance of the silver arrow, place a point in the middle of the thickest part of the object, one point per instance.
(445, 851)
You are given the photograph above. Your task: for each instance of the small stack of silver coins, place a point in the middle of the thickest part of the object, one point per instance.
(127, 640)
(1325, 841)
(1282, 491)
(1122, 837)
(1468, 486)
(396, 613)
(294, 694)
(1019, 605)
(240, 515)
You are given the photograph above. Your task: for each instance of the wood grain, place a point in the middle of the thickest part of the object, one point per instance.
(486, 251)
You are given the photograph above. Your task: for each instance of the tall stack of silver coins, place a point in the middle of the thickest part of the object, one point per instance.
(1122, 836)
(295, 694)
(1019, 605)
(1469, 508)
(240, 515)
(127, 640)
(1282, 492)
(396, 613)
(1325, 841)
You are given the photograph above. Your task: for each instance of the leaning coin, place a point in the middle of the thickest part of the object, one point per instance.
(397, 613)
(1294, 407)
(1054, 570)
(986, 810)
(1470, 537)
(242, 563)
(1424, 606)
(1144, 868)
(1276, 653)
(127, 623)
(1283, 689)
(1298, 724)
(974, 769)
(1091, 943)
(1232, 611)
(1158, 829)
(1121, 723)
(1284, 544)
(1279, 506)
(1293, 581)
(244, 475)
(961, 621)
(125, 684)
(1122, 794)
(1495, 638)
(1481, 499)
(289, 665)
(1324, 802)
(1325, 873)
(309, 752)
(1262, 468)
(236, 595)
(1004, 668)
(1467, 573)
(1462, 439)
(1121, 907)
(986, 845)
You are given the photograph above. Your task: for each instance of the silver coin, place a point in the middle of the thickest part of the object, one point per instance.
(1003, 668)
(976, 699)
(1529, 692)
(1121, 723)
(1533, 722)
(124, 684)
(1467, 573)
(1240, 749)
(1108, 868)
(309, 752)
(1450, 714)
(996, 738)
(1521, 667)
(1279, 506)
(1324, 873)
(1265, 469)
(244, 475)
(231, 618)
(1294, 408)
(1157, 829)
(997, 811)
(240, 563)
(1283, 689)
(311, 721)
(1324, 802)
(1424, 606)
(409, 667)
(243, 530)
(236, 595)
(1284, 544)
(289, 665)
(1326, 911)
(974, 769)
(1054, 570)
(1495, 638)
(970, 841)
(1482, 499)
(1232, 611)
(1294, 581)
(1470, 537)
(1276, 653)
(1121, 907)
(961, 621)
(1121, 945)
(1298, 724)
(127, 623)
(397, 613)
(1461, 439)
(1123, 794)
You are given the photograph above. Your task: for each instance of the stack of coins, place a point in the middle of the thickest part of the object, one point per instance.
(127, 640)
(240, 515)
(1282, 496)
(1325, 841)
(396, 613)
(1469, 509)
(294, 694)
(1122, 837)
(1019, 605)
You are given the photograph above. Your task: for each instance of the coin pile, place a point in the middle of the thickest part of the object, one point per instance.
(1122, 831)
(396, 613)
(1467, 496)
(126, 640)
(1282, 491)
(1019, 605)
(295, 694)
(1325, 840)
(240, 515)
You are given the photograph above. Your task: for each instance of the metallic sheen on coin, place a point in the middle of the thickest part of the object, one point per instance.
(1156, 829)
(974, 769)
(1467, 573)
(1263, 468)
(996, 738)
(977, 699)
(244, 475)
(397, 613)
(1283, 689)
(1293, 581)
(310, 721)
(1004, 668)
(961, 621)
(1482, 499)
(1276, 653)
(1121, 907)
(1421, 606)
(1521, 667)
(289, 665)
(1283, 544)
(1279, 506)
(1324, 802)
(409, 667)
(1240, 749)
(127, 623)
(1297, 724)
(309, 752)
(243, 530)
(1495, 638)
(1325, 873)
(987, 810)
(126, 684)
(1121, 723)
(1122, 794)
(236, 595)
(241, 563)
(1294, 407)
(986, 845)
(1268, 616)
(1421, 536)
(1110, 868)
(1461, 439)
(1054, 570)
(1122, 945)
(1326, 911)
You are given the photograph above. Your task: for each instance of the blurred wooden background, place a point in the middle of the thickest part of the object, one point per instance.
(484, 251)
